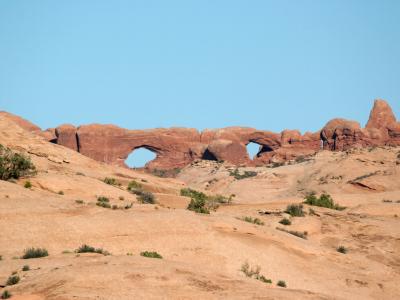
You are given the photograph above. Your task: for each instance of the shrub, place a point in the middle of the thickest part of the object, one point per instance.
(197, 202)
(281, 283)
(35, 253)
(89, 249)
(103, 202)
(159, 173)
(198, 205)
(27, 184)
(111, 181)
(254, 273)
(264, 279)
(6, 295)
(295, 210)
(79, 201)
(285, 221)
(277, 164)
(324, 200)
(256, 221)
(121, 198)
(61, 193)
(25, 268)
(14, 165)
(114, 207)
(103, 199)
(188, 192)
(246, 174)
(299, 234)
(201, 203)
(341, 249)
(147, 197)
(150, 254)
(134, 186)
(12, 280)
(250, 272)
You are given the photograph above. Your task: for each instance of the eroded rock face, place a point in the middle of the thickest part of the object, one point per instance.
(178, 147)
(381, 116)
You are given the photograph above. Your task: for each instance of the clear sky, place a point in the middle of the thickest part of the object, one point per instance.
(204, 64)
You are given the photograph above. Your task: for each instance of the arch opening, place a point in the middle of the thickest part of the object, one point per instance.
(139, 157)
(265, 148)
(253, 149)
(207, 155)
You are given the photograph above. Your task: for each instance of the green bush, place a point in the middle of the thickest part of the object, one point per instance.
(27, 184)
(198, 205)
(147, 198)
(324, 200)
(135, 188)
(14, 165)
(103, 202)
(188, 192)
(264, 279)
(150, 254)
(26, 268)
(254, 273)
(250, 272)
(256, 221)
(6, 295)
(111, 181)
(197, 202)
(133, 185)
(342, 249)
(89, 249)
(285, 221)
(295, 210)
(12, 280)
(34, 253)
(281, 283)
(246, 174)
(201, 203)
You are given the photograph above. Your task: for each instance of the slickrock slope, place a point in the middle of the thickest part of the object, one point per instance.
(202, 254)
(178, 147)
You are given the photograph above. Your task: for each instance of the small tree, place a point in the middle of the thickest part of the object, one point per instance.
(14, 165)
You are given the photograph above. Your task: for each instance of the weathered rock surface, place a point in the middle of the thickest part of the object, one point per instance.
(25, 124)
(178, 147)
(381, 116)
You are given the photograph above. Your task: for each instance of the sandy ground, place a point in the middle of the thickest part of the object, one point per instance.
(202, 254)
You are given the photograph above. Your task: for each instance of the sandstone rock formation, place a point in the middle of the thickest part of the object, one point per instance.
(177, 147)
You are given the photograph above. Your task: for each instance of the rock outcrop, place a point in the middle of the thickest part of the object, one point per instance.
(177, 147)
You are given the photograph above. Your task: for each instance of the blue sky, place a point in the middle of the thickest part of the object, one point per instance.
(204, 64)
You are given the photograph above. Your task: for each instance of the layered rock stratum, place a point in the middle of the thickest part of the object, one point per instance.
(178, 147)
